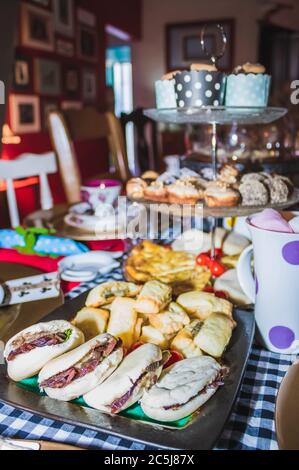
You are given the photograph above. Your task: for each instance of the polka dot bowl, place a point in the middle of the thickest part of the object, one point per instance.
(196, 89)
(247, 90)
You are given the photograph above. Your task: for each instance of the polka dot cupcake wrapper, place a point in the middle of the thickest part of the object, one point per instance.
(195, 89)
(247, 90)
(165, 94)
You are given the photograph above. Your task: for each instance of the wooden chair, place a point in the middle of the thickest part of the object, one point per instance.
(26, 166)
(147, 139)
(82, 125)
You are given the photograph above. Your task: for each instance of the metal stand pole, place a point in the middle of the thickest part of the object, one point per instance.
(214, 145)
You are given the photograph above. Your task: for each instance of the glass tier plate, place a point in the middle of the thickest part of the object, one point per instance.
(217, 114)
(219, 212)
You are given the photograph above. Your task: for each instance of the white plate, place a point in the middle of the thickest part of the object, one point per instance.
(85, 267)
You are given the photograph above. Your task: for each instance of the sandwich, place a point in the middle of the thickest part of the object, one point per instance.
(27, 352)
(77, 372)
(138, 371)
(183, 388)
(202, 304)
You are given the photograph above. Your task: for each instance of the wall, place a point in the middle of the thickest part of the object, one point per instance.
(149, 56)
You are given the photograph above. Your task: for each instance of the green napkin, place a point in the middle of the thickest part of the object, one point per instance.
(134, 412)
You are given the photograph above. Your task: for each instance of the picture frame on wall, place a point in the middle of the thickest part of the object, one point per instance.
(36, 28)
(64, 17)
(89, 85)
(183, 46)
(24, 114)
(87, 44)
(22, 73)
(86, 17)
(47, 108)
(65, 48)
(47, 77)
(71, 81)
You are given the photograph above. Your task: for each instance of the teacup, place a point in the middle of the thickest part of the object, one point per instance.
(101, 191)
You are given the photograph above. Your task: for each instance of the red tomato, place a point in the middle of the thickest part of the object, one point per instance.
(221, 294)
(217, 269)
(218, 253)
(175, 357)
(203, 259)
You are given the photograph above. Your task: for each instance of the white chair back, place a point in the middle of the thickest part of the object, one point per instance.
(26, 166)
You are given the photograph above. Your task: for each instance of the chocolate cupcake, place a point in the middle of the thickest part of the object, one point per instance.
(248, 86)
(203, 85)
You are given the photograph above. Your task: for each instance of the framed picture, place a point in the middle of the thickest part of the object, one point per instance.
(71, 81)
(47, 108)
(64, 17)
(87, 44)
(24, 114)
(22, 73)
(183, 46)
(65, 105)
(65, 48)
(86, 17)
(36, 28)
(47, 77)
(89, 85)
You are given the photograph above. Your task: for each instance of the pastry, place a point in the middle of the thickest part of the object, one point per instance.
(184, 340)
(135, 188)
(153, 298)
(202, 304)
(207, 67)
(234, 244)
(91, 321)
(170, 75)
(229, 283)
(183, 193)
(254, 193)
(152, 335)
(108, 291)
(229, 174)
(150, 176)
(196, 241)
(278, 188)
(122, 321)
(252, 177)
(171, 321)
(219, 194)
(156, 191)
(215, 334)
(250, 68)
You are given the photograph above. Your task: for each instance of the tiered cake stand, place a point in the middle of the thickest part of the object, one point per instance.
(215, 116)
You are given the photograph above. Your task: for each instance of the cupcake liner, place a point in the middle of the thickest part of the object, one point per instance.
(247, 90)
(165, 94)
(195, 89)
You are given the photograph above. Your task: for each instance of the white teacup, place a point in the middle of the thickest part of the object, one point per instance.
(275, 287)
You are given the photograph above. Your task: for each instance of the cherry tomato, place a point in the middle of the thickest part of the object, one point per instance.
(133, 347)
(217, 269)
(221, 294)
(203, 259)
(175, 357)
(209, 290)
(218, 253)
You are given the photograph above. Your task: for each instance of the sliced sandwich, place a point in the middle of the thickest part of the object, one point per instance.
(27, 352)
(138, 372)
(182, 389)
(77, 372)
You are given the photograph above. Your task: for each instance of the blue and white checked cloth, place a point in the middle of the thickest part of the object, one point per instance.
(251, 425)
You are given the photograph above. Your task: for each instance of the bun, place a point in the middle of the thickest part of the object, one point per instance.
(206, 67)
(30, 363)
(123, 319)
(126, 378)
(89, 381)
(108, 291)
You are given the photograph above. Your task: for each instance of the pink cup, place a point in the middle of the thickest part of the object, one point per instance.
(101, 191)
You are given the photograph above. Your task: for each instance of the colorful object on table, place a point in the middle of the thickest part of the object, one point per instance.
(271, 220)
(276, 294)
(44, 245)
(214, 264)
(28, 289)
(247, 90)
(101, 191)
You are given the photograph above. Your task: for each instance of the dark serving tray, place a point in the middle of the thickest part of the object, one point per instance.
(201, 434)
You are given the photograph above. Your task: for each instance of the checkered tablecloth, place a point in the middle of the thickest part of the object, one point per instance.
(251, 425)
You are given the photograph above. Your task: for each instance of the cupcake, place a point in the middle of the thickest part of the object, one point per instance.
(165, 92)
(183, 192)
(156, 191)
(229, 174)
(135, 188)
(203, 85)
(248, 86)
(219, 194)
